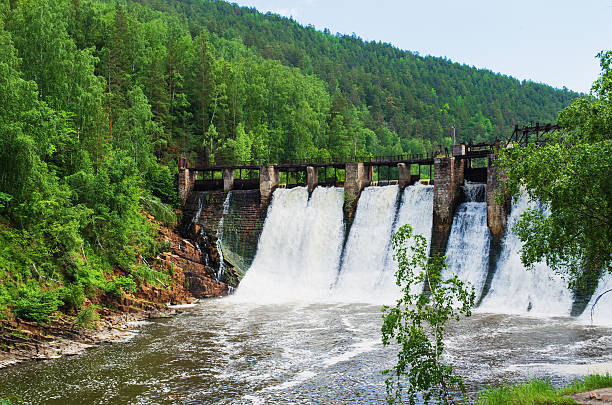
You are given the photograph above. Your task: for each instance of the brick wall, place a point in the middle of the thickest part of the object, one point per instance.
(242, 224)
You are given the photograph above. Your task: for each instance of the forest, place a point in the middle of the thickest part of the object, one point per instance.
(98, 99)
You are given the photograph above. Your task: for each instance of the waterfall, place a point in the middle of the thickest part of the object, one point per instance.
(515, 289)
(299, 249)
(602, 311)
(467, 251)
(298, 256)
(415, 210)
(221, 272)
(363, 266)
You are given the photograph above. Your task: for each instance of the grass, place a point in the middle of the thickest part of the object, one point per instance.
(538, 391)
(591, 382)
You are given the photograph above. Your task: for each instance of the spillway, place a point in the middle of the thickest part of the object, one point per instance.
(517, 290)
(299, 249)
(599, 309)
(467, 252)
(416, 210)
(364, 261)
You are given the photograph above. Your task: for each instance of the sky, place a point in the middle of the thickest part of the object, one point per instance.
(552, 42)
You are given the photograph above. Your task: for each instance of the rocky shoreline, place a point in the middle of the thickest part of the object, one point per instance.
(32, 341)
(193, 278)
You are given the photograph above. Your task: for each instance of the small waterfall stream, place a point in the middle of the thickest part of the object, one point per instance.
(467, 252)
(416, 210)
(220, 276)
(599, 309)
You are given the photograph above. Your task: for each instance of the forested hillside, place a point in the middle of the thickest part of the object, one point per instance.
(99, 98)
(390, 100)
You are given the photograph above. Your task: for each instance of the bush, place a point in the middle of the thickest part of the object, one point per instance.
(120, 285)
(541, 391)
(160, 211)
(88, 318)
(73, 296)
(151, 276)
(36, 305)
(160, 180)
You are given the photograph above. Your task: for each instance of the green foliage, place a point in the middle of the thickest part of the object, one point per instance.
(73, 296)
(418, 320)
(532, 393)
(151, 276)
(570, 175)
(159, 210)
(541, 391)
(120, 285)
(87, 318)
(11, 400)
(160, 180)
(590, 382)
(35, 304)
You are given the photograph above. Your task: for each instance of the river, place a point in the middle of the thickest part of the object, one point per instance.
(225, 351)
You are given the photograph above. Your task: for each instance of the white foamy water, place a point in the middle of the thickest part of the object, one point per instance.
(299, 248)
(221, 273)
(415, 210)
(364, 260)
(516, 290)
(467, 251)
(600, 313)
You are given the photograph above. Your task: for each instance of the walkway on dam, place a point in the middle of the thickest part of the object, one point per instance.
(446, 169)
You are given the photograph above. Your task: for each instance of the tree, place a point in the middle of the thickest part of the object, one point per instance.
(417, 321)
(570, 175)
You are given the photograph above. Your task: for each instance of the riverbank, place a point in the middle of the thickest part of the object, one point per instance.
(590, 390)
(22, 340)
(105, 317)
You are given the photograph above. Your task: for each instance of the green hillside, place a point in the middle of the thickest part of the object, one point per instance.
(99, 98)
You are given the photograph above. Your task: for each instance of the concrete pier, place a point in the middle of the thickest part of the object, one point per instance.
(228, 179)
(497, 213)
(448, 178)
(312, 178)
(269, 179)
(186, 181)
(404, 177)
(358, 176)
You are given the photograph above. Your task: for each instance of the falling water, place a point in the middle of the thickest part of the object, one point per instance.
(515, 289)
(467, 252)
(221, 272)
(299, 248)
(363, 266)
(415, 210)
(599, 309)
(198, 214)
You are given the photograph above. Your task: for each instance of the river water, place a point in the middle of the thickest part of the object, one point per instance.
(224, 351)
(303, 327)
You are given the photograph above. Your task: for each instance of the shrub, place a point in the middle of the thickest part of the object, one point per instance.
(151, 276)
(73, 296)
(590, 382)
(120, 285)
(88, 318)
(36, 305)
(160, 211)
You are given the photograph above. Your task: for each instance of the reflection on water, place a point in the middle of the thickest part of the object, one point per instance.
(235, 353)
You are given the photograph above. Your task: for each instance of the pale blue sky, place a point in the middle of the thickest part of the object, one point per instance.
(547, 41)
